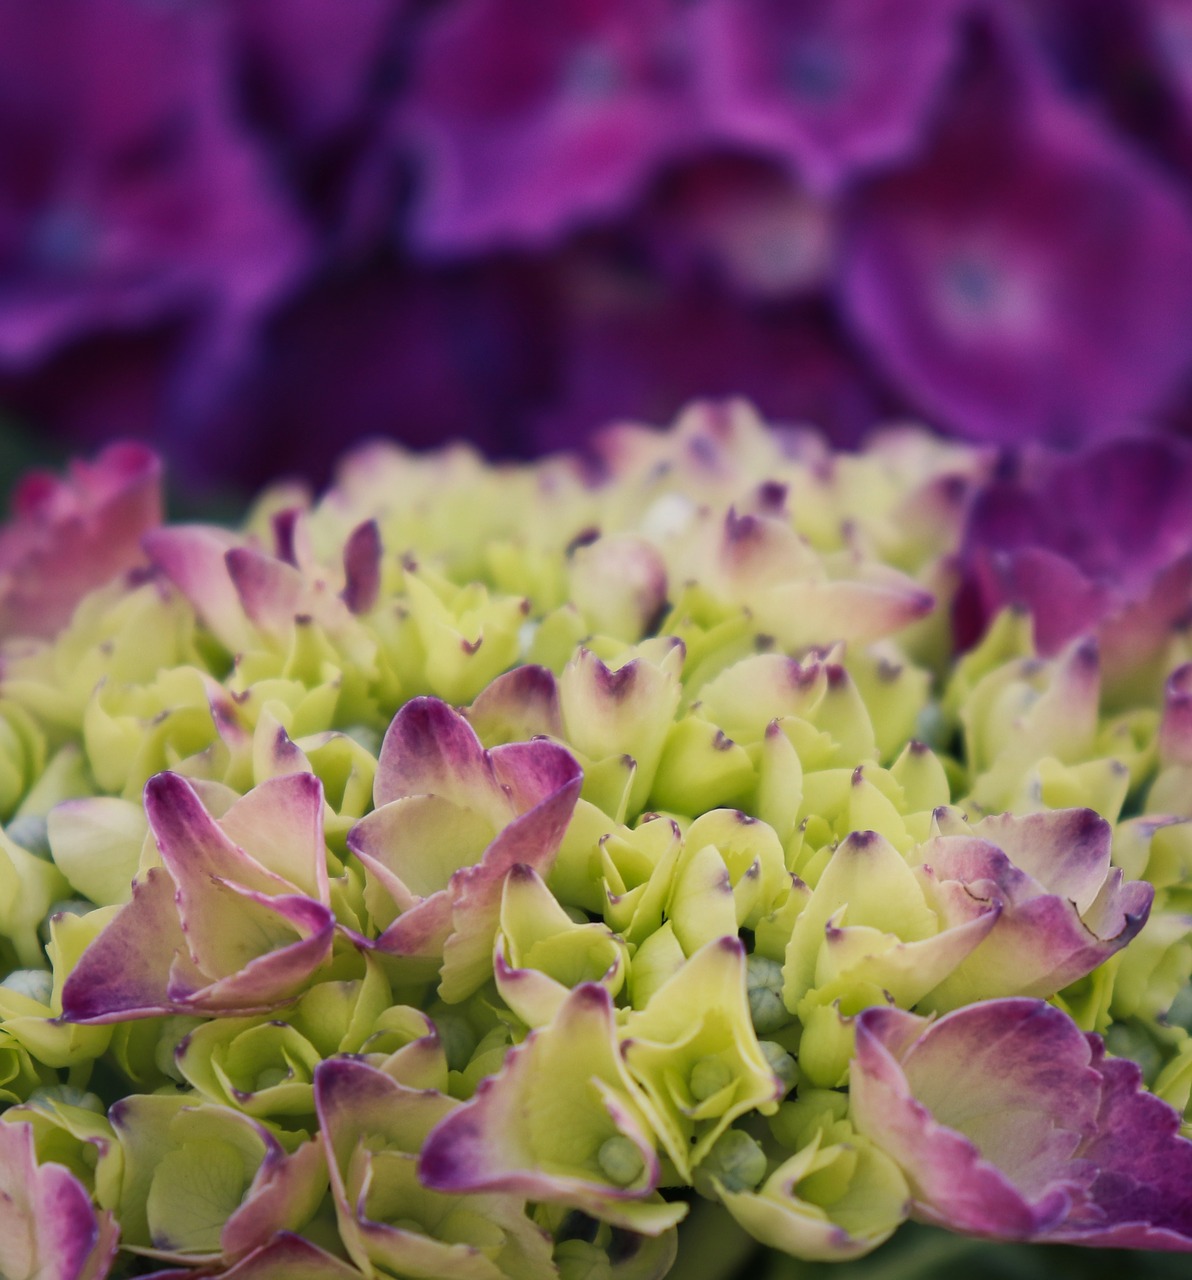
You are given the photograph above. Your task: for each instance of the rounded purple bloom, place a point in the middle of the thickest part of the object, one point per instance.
(1030, 277)
(127, 193)
(529, 118)
(830, 86)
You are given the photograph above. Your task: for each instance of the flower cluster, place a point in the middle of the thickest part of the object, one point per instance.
(249, 220)
(466, 873)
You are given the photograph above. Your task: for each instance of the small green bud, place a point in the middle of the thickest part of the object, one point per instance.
(735, 1160)
(620, 1161)
(708, 1077)
(30, 833)
(269, 1077)
(781, 1062)
(36, 984)
(764, 980)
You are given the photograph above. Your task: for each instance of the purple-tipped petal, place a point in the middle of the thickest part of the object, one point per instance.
(429, 749)
(285, 1257)
(49, 1228)
(67, 537)
(982, 1110)
(1010, 1123)
(523, 703)
(193, 558)
(1064, 909)
(271, 592)
(285, 1191)
(298, 932)
(1141, 1197)
(279, 823)
(508, 1139)
(123, 973)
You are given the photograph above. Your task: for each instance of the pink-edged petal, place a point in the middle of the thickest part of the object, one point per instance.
(512, 1136)
(531, 773)
(429, 749)
(123, 973)
(193, 845)
(270, 591)
(193, 558)
(523, 703)
(531, 840)
(49, 1228)
(286, 1257)
(983, 1110)
(67, 537)
(1048, 933)
(1066, 850)
(280, 824)
(284, 1187)
(252, 983)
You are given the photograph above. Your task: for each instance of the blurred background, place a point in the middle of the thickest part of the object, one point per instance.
(250, 232)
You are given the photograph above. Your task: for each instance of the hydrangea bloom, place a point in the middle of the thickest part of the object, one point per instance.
(225, 226)
(480, 871)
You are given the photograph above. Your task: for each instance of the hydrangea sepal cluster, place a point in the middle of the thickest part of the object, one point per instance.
(470, 871)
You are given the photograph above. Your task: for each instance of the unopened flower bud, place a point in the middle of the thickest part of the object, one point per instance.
(620, 1161)
(766, 1008)
(708, 1077)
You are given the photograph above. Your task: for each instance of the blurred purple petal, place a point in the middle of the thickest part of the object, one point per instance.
(1096, 543)
(127, 194)
(1031, 277)
(528, 119)
(830, 86)
(67, 537)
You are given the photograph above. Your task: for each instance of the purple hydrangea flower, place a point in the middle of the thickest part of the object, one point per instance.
(128, 196)
(528, 119)
(1010, 1123)
(830, 86)
(1031, 276)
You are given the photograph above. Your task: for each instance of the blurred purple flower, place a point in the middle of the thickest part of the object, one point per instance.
(830, 86)
(1031, 277)
(127, 195)
(528, 119)
(1100, 542)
